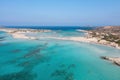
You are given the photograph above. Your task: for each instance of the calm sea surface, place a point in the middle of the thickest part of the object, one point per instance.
(51, 59)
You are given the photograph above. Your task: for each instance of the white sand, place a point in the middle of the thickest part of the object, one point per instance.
(21, 34)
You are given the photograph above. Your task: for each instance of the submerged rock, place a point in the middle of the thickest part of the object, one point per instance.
(23, 75)
(2, 38)
(64, 72)
(16, 51)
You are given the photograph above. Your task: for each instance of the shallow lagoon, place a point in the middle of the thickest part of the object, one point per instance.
(55, 60)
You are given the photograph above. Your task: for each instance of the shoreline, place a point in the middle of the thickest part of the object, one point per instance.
(21, 34)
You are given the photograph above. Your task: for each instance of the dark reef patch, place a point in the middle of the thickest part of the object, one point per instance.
(64, 72)
(62, 65)
(36, 51)
(16, 51)
(71, 66)
(23, 75)
(63, 75)
(33, 56)
(28, 61)
(2, 38)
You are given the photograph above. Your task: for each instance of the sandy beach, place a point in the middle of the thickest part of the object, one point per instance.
(21, 34)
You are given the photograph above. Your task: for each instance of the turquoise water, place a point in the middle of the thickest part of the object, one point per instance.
(50, 59)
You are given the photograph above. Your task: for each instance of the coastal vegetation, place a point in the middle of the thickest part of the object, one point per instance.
(107, 33)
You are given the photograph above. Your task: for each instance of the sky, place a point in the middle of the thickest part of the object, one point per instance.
(59, 12)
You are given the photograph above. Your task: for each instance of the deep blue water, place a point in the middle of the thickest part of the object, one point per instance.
(54, 27)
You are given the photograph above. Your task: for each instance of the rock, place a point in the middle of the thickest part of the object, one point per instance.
(115, 60)
(104, 57)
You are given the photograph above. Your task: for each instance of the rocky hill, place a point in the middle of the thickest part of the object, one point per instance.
(108, 33)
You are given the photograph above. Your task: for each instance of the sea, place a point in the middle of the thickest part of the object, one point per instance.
(53, 59)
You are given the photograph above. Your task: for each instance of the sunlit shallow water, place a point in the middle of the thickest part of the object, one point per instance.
(52, 59)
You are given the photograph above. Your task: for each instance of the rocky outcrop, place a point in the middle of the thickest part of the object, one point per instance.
(108, 35)
(115, 60)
